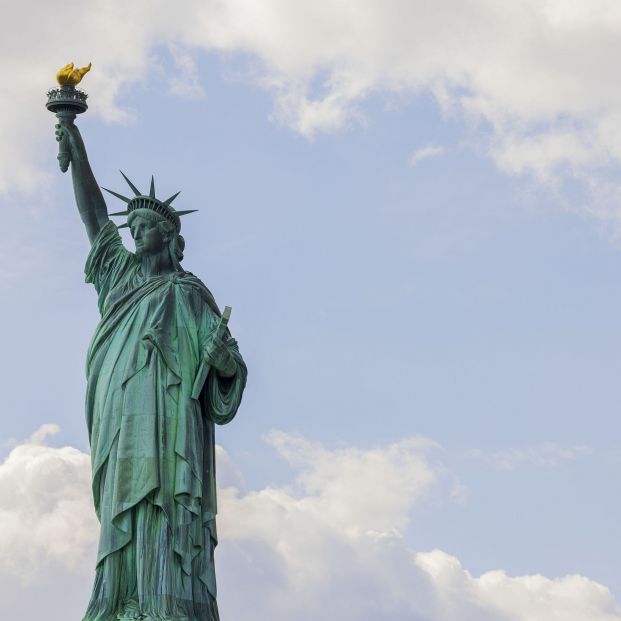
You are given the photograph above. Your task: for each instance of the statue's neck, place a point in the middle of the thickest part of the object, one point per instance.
(157, 264)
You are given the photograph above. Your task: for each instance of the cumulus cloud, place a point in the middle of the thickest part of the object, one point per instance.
(46, 515)
(495, 595)
(536, 79)
(329, 545)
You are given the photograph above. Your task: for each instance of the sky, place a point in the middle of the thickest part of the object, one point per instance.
(414, 210)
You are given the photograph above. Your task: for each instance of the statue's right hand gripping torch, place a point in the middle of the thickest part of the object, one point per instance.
(67, 102)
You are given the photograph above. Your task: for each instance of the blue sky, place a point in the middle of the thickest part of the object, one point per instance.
(413, 213)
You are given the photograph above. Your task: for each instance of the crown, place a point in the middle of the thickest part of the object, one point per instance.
(142, 201)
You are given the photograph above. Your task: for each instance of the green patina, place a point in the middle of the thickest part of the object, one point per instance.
(162, 368)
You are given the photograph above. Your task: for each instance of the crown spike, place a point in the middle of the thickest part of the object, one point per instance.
(168, 201)
(142, 201)
(123, 198)
(122, 226)
(135, 190)
(183, 213)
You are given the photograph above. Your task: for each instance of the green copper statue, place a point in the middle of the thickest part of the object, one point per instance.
(162, 368)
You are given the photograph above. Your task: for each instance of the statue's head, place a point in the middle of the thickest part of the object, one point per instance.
(152, 234)
(154, 224)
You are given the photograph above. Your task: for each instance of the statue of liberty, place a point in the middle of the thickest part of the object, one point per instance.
(162, 368)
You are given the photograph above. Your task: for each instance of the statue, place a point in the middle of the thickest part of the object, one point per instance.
(162, 368)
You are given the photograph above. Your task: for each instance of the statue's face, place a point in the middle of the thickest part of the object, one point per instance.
(147, 235)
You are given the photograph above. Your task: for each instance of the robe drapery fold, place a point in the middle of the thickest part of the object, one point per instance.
(151, 442)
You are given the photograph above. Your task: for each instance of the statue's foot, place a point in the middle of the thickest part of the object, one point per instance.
(160, 618)
(147, 617)
(131, 613)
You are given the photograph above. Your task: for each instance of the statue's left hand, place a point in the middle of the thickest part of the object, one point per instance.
(218, 355)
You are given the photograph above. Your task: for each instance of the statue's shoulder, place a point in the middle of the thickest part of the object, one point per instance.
(198, 287)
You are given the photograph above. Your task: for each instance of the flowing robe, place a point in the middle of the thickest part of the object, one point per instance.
(152, 444)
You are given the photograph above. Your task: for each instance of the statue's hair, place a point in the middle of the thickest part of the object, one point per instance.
(176, 243)
(147, 214)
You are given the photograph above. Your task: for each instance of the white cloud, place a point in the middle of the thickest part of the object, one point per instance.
(185, 81)
(538, 77)
(522, 598)
(427, 152)
(330, 547)
(545, 454)
(327, 546)
(46, 514)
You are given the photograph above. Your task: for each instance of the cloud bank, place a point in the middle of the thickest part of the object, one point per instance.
(46, 515)
(329, 545)
(536, 81)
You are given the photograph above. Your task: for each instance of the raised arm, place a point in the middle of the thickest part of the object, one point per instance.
(88, 196)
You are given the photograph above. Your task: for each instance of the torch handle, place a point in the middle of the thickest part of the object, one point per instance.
(65, 117)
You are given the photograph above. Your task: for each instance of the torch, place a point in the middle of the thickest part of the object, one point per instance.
(67, 102)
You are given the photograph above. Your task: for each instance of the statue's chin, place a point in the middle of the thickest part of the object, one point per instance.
(142, 252)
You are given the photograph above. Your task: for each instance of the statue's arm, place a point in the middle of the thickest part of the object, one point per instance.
(222, 393)
(88, 196)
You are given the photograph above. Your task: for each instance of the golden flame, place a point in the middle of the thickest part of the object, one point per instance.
(70, 76)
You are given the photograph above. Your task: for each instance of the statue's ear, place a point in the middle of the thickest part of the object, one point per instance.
(167, 231)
